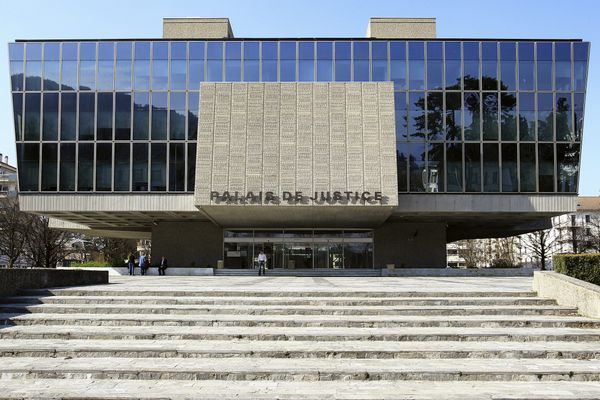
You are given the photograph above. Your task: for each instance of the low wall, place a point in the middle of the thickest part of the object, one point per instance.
(173, 271)
(456, 272)
(568, 291)
(13, 280)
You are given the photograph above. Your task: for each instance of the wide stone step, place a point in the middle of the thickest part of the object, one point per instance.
(288, 309)
(277, 293)
(296, 349)
(267, 390)
(284, 301)
(346, 321)
(305, 369)
(293, 333)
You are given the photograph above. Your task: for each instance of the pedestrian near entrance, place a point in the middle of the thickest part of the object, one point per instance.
(163, 266)
(142, 264)
(262, 261)
(131, 264)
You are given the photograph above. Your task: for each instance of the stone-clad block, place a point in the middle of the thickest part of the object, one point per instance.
(296, 137)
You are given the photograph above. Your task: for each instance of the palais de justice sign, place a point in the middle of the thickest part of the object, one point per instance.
(317, 198)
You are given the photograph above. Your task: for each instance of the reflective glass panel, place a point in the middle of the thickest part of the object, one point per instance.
(287, 61)
(324, 61)
(435, 116)
(489, 65)
(578, 119)
(191, 166)
(356, 255)
(104, 122)
(434, 176)
(106, 65)
(69, 66)
(416, 66)
(567, 158)
(50, 121)
(434, 65)
(564, 119)
(361, 61)
(141, 66)
(160, 66)
(28, 160)
(402, 155)
(85, 167)
(416, 161)
(398, 65)
(16, 75)
(122, 166)
(400, 108)
(453, 116)
(177, 116)
(454, 167)
(68, 116)
(233, 61)
(546, 167)
(508, 66)
(527, 118)
(32, 116)
(510, 181)
(416, 115)
(158, 163)
(141, 115)
(87, 66)
(490, 116)
(453, 66)
(49, 167)
(33, 75)
(123, 116)
(472, 167)
(192, 114)
(527, 167)
(269, 61)
(123, 68)
(580, 56)
(306, 62)
(251, 62)
(508, 115)
(159, 116)
(545, 116)
(196, 65)
(379, 61)
(562, 65)
(342, 61)
(51, 66)
(18, 114)
(140, 167)
(103, 166)
(214, 62)
(491, 168)
(178, 72)
(472, 115)
(544, 66)
(526, 64)
(471, 65)
(86, 116)
(67, 167)
(177, 167)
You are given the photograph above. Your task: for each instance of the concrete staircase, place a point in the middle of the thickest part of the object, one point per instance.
(162, 341)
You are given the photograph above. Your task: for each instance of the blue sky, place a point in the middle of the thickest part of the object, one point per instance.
(309, 18)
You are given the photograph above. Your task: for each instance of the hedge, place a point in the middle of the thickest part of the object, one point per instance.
(91, 264)
(580, 266)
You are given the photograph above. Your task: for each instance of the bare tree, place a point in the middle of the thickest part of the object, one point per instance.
(541, 245)
(15, 227)
(47, 247)
(469, 251)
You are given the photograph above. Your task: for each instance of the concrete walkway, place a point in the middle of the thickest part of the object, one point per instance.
(146, 337)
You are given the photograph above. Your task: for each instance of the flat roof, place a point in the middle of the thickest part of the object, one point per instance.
(300, 39)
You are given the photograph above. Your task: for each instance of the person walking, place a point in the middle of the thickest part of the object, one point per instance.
(142, 264)
(163, 266)
(131, 264)
(262, 261)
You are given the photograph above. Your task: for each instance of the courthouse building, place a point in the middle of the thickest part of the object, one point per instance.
(321, 152)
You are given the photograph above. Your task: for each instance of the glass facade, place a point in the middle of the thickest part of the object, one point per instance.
(471, 116)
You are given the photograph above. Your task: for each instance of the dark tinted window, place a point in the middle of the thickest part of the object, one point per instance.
(50, 122)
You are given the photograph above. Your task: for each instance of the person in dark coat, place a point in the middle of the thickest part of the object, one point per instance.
(163, 266)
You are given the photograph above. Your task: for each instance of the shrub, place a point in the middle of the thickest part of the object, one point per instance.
(580, 266)
(503, 263)
(91, 264)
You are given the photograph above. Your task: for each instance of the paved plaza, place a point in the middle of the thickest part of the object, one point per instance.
(297, 338)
